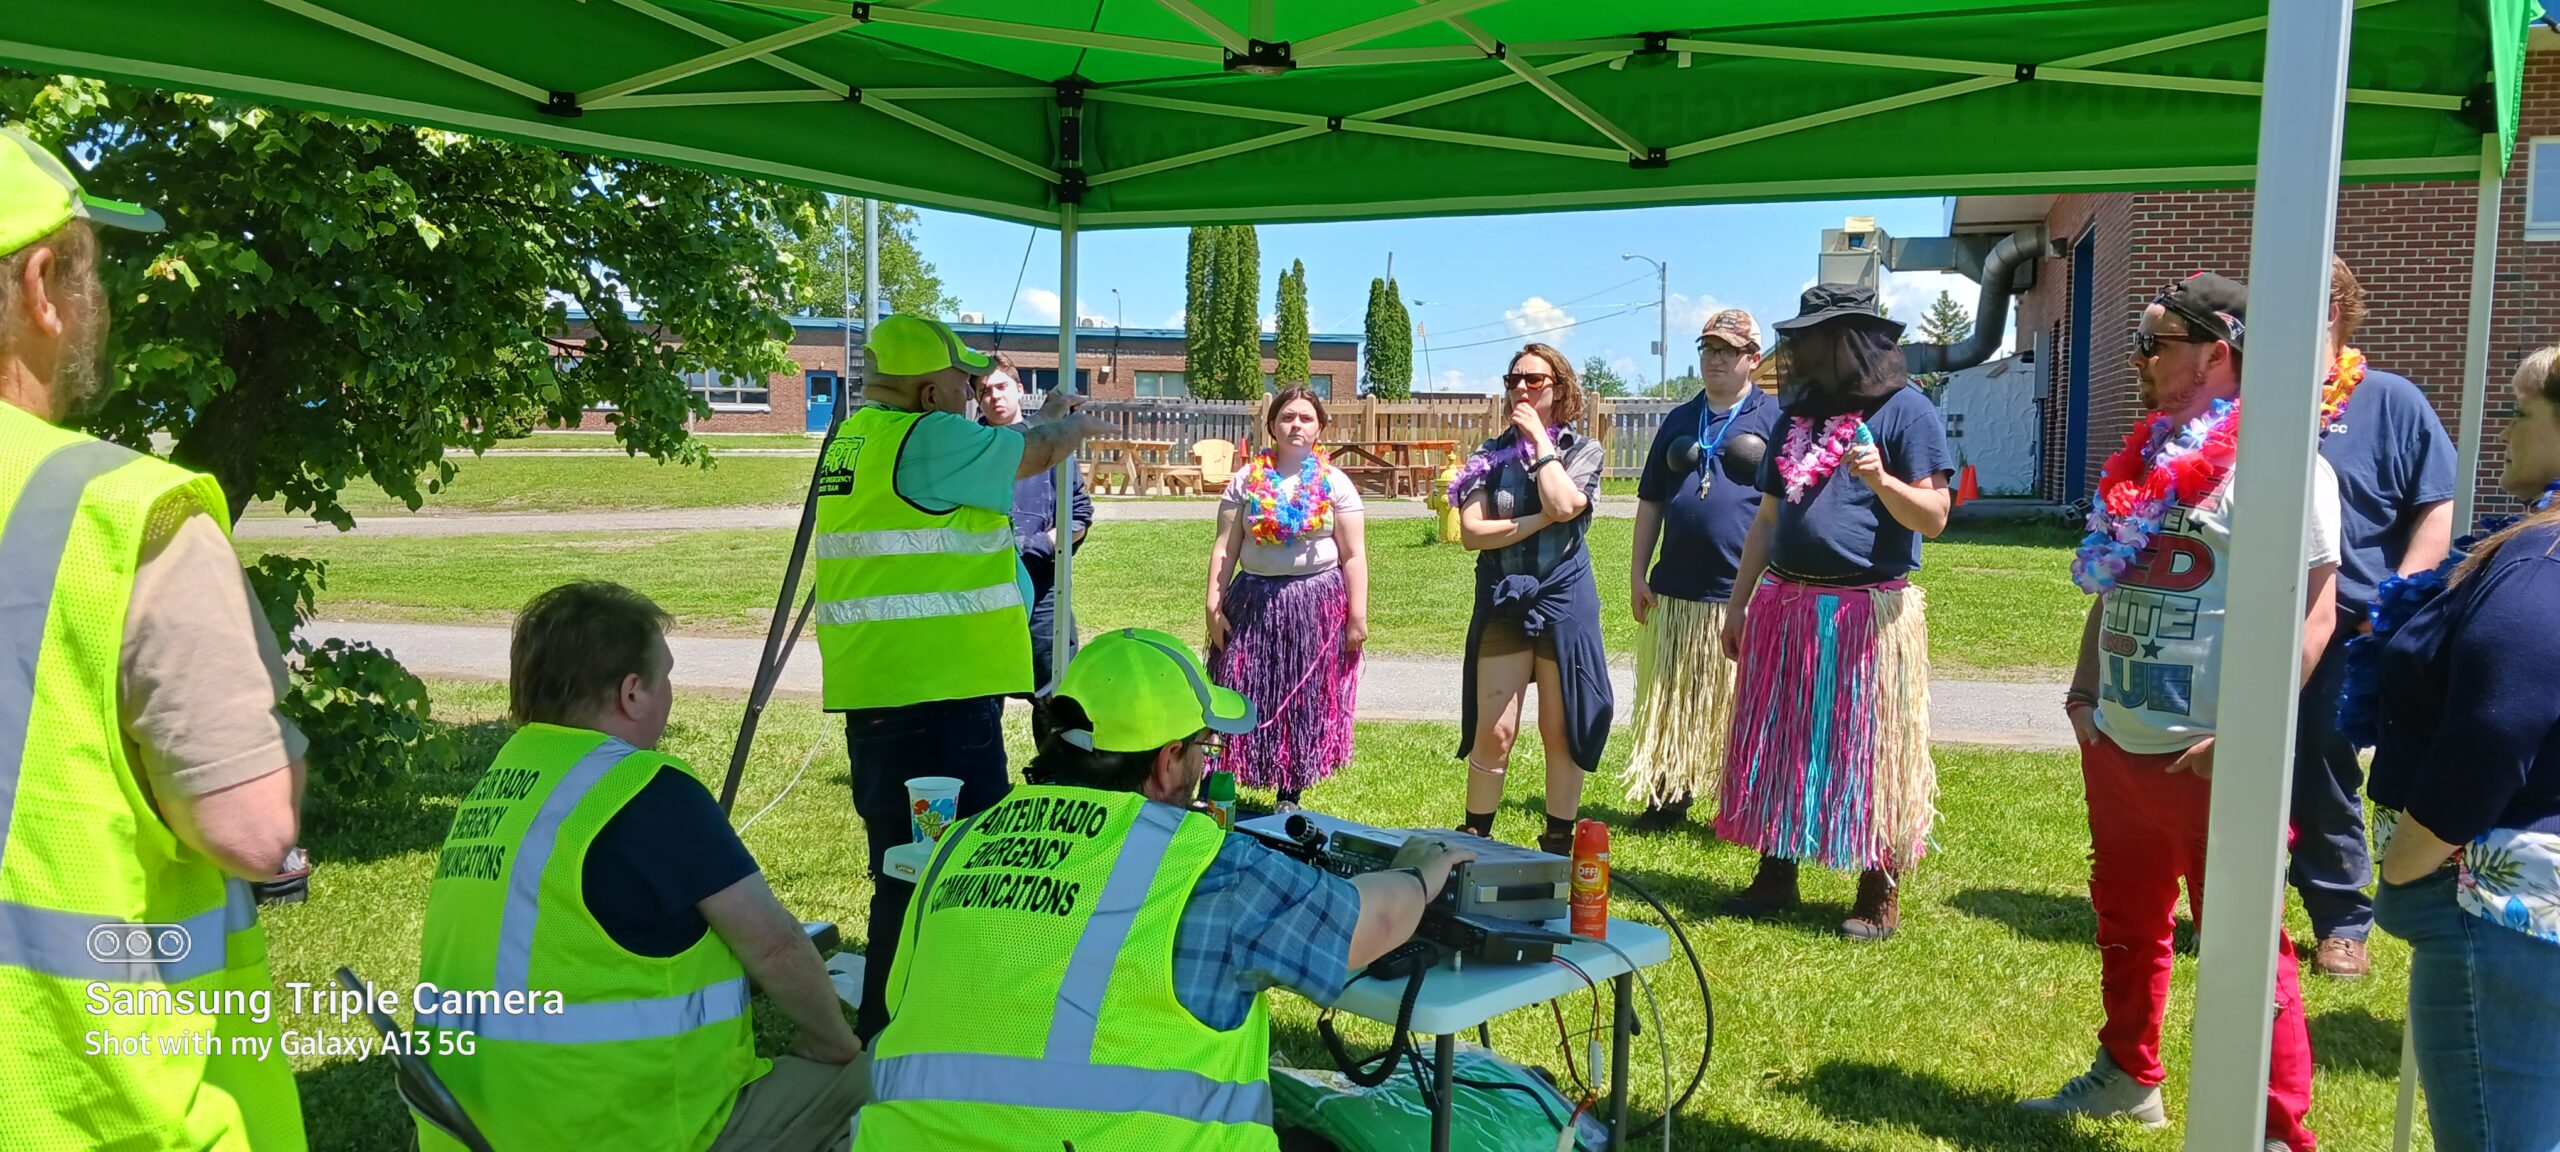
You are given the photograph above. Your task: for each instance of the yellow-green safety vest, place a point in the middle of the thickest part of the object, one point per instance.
(913, 605)
(647, 1052)
(131, 969)
(1032, 1002)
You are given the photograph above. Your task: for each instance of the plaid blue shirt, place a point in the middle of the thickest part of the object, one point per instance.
(1259, 920)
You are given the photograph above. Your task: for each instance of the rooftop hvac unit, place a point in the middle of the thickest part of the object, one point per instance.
(1088, 322)
(1853, 253)
(973, 317)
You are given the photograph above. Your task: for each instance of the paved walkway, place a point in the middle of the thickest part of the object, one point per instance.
(1391, 688)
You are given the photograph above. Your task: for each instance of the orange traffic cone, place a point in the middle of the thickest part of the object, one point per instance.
(1966, 487)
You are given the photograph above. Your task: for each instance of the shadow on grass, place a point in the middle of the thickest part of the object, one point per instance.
(2355, 1040)
(350, 1105)
(1878, 1094)
(2050, 918)
(414, 813)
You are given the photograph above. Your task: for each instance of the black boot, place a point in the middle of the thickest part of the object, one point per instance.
(1879, 911)
(1663, 817)
(1772, 891)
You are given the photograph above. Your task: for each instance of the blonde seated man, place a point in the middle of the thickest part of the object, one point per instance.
(587, 864)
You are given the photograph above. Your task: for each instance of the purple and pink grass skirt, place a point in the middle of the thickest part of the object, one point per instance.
(1284, 652)
(1829, 759)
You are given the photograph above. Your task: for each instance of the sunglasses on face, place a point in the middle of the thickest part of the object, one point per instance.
(2147, 344)
(1533, 381)
(1209, 745)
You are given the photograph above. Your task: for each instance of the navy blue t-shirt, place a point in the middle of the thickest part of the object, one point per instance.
(2392, 457)
(1842, 533)
(668, 849)
(1702, 535)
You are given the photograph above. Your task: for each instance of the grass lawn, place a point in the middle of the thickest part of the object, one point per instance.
(2001, 600)
(604, 441)
(1919, 1044)
(602, 481)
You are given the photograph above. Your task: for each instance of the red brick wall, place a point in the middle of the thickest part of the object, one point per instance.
(2410, 245)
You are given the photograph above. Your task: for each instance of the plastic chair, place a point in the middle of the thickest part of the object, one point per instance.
(1217, 463)
(419, 1087)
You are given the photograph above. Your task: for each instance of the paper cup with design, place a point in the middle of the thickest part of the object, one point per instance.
(933, 803)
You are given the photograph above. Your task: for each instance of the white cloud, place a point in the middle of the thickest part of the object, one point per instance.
(1181, 318)
(1536, 319)
(1040, 306)
(1453, 380)
(1689, 314)
(1909, 294)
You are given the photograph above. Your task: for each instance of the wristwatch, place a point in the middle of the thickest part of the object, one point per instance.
(1416, 873)
(1542, 462)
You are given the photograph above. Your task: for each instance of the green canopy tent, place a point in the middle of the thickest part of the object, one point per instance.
(1124, 113)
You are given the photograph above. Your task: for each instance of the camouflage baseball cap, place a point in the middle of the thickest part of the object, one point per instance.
(1733, 326)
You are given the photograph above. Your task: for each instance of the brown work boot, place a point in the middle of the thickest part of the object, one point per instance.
(1879, 909)
(2342, 959)
(1772, 890)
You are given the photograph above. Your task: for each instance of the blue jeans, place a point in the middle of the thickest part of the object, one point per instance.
(888, 747)
(2484, 1011)
(2331, 866)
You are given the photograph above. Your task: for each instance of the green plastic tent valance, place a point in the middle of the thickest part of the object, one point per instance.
(1158, 112)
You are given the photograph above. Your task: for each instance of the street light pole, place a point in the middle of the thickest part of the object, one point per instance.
(1662, 312)
(1428, 373)
(1119, 320)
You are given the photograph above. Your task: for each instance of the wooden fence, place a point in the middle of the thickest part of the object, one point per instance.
(1625, 426)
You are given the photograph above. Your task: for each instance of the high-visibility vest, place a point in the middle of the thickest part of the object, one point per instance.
(1032, 1000)
(913, 605)
(136, 1037)
(644, 1052)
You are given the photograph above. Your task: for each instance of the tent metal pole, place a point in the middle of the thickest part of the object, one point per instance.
(957, 136)
(2300, 129)
(2405, 1120)
(1062, 619)
(408, 47)
(601, 97)
(2475, 350)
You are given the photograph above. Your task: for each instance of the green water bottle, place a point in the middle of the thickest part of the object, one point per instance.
(1222, 798)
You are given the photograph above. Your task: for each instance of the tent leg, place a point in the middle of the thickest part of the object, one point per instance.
(1062, 621)
(2300, 125)
(2408, 1114)
(2475, 352)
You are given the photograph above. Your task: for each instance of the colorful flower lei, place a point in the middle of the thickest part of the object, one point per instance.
(1484, 462)
(2143, 480)
(1806, 461)
(2341, 387)
(1278, 521)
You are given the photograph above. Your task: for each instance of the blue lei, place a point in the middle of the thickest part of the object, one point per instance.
(2394, 602)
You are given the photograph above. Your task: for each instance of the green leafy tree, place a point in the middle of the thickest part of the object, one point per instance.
(1946, 322)
(1681, 386)
(1387, 353)
(824, 243)
(1599, 379)
(1239, 309)
(1294, 349)
(340, 301)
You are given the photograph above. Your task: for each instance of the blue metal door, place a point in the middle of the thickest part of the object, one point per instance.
(2075, 452)
(822, 400)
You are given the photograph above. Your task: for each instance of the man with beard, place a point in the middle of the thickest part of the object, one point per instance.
(145, 773)
(1699, 495)
(2158, 558)
(1829, 759)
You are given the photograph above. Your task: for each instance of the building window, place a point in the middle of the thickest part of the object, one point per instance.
(730, 393)
(2542, 197)
(1169, 385)
(1046, 380)
(1320, 383)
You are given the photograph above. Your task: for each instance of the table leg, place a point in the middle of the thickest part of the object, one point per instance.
(1622, 991)
(1444, 1060)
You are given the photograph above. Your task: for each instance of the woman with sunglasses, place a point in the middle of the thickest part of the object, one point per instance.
(1524, 503)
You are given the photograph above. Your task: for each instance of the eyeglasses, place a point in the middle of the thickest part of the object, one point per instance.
(1533, 381)
(2147, 344)
(1209, 744)
(1721, 350)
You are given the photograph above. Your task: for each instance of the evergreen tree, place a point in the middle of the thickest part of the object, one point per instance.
(1294, 352)
(1198, 279)
(1946, 322)
(1239, 305)
(1599, 379)
(1389, 333)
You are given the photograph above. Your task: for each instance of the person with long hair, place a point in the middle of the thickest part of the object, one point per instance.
(2466, 793)
(1289, 603)
(1524, 504)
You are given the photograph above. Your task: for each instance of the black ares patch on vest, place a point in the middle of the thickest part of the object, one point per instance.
(835, 471)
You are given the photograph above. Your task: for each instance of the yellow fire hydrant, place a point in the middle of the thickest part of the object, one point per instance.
(1438, 500)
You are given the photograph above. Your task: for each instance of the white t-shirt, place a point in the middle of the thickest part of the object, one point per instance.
(2160, 632)
(1311, 552)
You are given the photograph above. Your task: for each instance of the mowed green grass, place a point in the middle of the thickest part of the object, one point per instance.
(1920, 1044)
(2001, 602)
(597, 481)
(605, 441)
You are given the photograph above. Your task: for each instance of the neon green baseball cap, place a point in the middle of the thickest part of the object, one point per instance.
(38, 195)
(1144, 689)
(903, 345)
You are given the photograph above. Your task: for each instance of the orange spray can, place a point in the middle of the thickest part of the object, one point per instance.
(1590, 900)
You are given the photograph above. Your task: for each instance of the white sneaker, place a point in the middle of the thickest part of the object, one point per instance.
(2105, 1091)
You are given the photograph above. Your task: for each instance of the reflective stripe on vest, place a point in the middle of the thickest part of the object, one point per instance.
(604, 1022)
(1065, 1076)
(50, 940)
(921, 605)
(913, 542)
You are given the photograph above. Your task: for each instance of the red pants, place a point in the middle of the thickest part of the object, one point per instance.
(2146, 832)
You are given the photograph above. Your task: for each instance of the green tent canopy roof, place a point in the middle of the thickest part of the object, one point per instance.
(1195, 111)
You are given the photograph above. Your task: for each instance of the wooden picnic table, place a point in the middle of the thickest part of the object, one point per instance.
(1393, 467)
(1140, 465)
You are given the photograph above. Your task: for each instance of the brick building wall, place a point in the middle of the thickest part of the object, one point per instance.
(2410, 245)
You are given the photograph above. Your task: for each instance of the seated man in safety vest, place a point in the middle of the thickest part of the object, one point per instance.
(1084, 962)
(587, 865)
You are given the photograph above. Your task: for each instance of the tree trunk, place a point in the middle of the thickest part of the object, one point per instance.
(228, 431)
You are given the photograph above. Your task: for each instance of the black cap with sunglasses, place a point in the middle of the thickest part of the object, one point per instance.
(2215, 308)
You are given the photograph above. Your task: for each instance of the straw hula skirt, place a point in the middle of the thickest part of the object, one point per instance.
(1829, 759)
(1684, 704)
(1284, 653)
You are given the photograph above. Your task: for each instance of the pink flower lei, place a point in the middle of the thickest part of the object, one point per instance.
(1806, 461)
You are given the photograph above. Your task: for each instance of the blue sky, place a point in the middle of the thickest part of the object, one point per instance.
(1483, 281)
